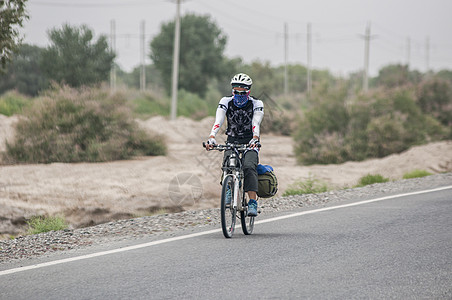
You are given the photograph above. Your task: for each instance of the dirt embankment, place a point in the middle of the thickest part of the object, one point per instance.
(187, 178)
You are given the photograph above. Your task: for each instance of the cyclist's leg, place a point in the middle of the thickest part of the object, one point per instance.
(250, 161)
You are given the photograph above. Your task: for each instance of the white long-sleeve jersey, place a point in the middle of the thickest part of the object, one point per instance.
(243, 122)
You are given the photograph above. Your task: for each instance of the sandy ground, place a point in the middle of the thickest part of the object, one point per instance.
(187, 178)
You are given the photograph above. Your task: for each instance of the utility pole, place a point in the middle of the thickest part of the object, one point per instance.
(286, 38)
(176, 51)
(367, 38)
(427, 54)
(408, 52)
(113, 49)
(309, 45)
(142, 73)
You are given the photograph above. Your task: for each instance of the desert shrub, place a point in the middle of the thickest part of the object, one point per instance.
(147, 104)
(435, 97)
(212, 98)
(45, 224)
(193, 106)
(371, 179)
(309, 186)
(277, 123)
(321, 131)
(280, 114)
(13, 103)
(68, 125)
(416, 173)
(325, 147)
(337, 129)
(385, 135)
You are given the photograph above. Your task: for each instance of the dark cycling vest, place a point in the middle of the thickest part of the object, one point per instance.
(240, 128)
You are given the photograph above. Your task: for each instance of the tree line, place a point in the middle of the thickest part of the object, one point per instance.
(76, 59)
(337, 122)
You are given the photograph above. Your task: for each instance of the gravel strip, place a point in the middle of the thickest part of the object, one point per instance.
(25, 247)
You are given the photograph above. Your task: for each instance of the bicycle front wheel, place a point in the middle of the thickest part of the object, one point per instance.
(228, 212)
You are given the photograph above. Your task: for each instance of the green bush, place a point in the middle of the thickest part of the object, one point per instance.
(13, 103)
(371, 179)
(309, 186)
(416, 173)
(339, 128)
(385, 135)
(87, 125)
(45, 224)
(188, 105)
(277, 123)
(434, 96)
(192, 106)
(147, 105)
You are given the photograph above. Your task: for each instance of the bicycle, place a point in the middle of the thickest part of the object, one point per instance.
(232, 186)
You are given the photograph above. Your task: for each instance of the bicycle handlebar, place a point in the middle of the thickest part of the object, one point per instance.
(240, 147)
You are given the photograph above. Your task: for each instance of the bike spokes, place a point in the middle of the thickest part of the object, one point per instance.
(228, 212)
(247, 222)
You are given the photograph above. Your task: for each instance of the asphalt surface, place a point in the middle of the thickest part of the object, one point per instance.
(397, 248)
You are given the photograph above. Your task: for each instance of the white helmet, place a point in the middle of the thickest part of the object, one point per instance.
(241, 80)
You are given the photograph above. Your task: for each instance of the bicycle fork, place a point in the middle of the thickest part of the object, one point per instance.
(236, 178)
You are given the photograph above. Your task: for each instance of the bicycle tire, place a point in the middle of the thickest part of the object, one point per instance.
(228, 213)
(247, 222)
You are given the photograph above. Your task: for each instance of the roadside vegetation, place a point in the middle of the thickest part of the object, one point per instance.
(371, 179)
(339, 127)
(416, 174)
(313, 185)
(309, 186)
(12, 103)
(83, 125)
(40, 224)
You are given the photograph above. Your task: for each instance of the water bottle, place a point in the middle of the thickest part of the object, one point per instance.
(232, 161)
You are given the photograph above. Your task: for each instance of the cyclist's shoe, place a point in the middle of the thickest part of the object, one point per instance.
(228, 197)
(252, 208)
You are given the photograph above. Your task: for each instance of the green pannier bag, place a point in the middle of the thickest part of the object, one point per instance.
(267, 181)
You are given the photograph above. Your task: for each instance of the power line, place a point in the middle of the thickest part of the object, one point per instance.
(91, 4)
(249, 26)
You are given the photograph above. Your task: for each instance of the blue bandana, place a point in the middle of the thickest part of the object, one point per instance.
(240, 100)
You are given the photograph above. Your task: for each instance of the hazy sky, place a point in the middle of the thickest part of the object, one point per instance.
(255, 29)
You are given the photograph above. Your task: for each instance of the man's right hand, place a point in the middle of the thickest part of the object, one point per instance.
(210, 143)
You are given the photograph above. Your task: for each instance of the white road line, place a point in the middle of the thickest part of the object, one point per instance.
(183, 237)
(351, 204)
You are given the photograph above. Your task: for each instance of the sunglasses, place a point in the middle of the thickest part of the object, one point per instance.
(236, 92)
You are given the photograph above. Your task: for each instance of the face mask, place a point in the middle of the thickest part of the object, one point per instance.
(240, 98)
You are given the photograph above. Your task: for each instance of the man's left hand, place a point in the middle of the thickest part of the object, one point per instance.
(254, 143)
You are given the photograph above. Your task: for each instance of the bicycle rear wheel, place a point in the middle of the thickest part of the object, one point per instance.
(247, 222)
(228, 212)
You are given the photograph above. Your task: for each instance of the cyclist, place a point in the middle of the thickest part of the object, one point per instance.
(244, 114)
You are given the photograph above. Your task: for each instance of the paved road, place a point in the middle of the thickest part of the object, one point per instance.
(397, 248)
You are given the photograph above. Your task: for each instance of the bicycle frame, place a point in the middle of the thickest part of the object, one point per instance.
(233, 167)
